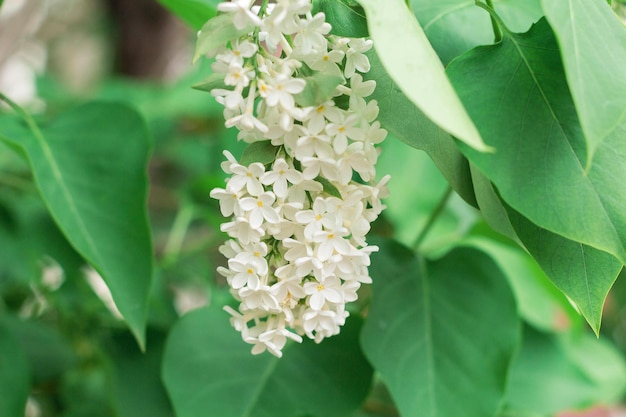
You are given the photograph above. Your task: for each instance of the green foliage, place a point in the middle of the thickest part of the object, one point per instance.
(479, 297)
(346, 17)
(208, 370)
(193, 12)
(319, 88)
(604, 41)
(92, 176)
(458, 331)
(215, 33)
(431, 92)
(14, 375)
(557, 372)
(263, 152)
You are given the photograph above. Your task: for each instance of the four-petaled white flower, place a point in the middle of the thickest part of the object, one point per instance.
(298, 221)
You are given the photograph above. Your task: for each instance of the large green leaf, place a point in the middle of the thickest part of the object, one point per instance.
(14, 375)
(583, 273)
(517, 94)
(45, 349)
(555, 373)
(540, 303)
(456, 26)
(593, 47)
(90, 167)
(137, 386)
(193, 12)
(209, 370)
(442, 334)
(407, 123)
(417, 70)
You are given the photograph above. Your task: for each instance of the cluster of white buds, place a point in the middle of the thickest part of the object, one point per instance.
(298, 222)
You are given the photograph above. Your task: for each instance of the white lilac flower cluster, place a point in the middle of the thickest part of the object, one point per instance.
(298, 252)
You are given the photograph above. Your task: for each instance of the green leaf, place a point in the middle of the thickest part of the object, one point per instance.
(209, 370)
(14, 375)
(540, 303)
(592, 41)
(90, 167)
(554, 373)
(441, 332)
(193, 12)
(328, 187)
(346, 17)
(409, 206)
(456, 26)
(215, 33)
(490, 205)
(137, 386)
(518, 97)
(407, 123)
(47, 352)
(319, 89)
(262, 151)
(583, 273)
(211, 82)
(417, 70)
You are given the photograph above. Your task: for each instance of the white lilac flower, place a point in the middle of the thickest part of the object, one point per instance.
(298, 223)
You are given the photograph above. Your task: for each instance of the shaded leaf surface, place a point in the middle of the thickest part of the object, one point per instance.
(554, 373)
(90, 167)
(439, 332)
(583, 273)
(456, 26)
(517, 94)
(14, 375)
(209, 370)
(407, 123)
(540, 303)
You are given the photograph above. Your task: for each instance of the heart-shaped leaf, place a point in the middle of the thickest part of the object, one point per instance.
(441, 332)
(209, 370)
(517, 94)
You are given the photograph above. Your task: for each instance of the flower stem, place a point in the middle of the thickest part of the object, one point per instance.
(495, 23)
(177, 234)
(433, 218)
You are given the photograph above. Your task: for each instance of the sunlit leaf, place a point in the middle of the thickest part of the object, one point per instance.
(593, 46)
(406, 122)
(417, 70)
